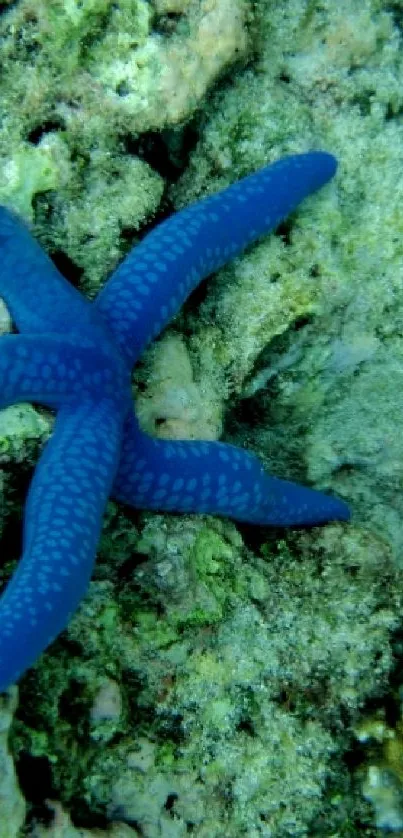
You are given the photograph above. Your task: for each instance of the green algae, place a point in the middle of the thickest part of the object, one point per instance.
(31, 171)
(20, 429)
(240, 669)
(12, 803)
(80, 82)
(250, 698)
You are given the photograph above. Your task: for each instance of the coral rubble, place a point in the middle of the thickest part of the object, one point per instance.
(213, 679)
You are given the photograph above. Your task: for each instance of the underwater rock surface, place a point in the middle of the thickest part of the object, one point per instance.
(213, 677)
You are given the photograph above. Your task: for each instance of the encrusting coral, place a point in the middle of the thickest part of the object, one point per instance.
(232, 670)
(12, 804)
(243, 669)
(87, 77)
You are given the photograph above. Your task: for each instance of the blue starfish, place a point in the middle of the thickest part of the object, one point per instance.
(76, 357)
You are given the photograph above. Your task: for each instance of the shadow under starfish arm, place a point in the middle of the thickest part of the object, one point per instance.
(39, 298)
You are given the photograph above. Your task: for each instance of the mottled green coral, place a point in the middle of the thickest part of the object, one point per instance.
(232, 670)
(80, 81)
(210, 682)
(20, 428)
(310, 323)
(62, 827)
(112, 194)
(32, 170)
(12, 804)
(381, 775)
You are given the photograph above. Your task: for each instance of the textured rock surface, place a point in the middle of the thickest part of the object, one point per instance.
(12, 804)
(233, 665)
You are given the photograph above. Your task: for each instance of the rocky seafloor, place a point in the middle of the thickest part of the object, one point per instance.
(221, 680)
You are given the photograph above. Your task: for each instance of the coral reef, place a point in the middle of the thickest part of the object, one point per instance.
(62, 827)
(12, 804)
(233, 669)
(169, 404)
(381, 774)
(212, 679)
(339, 397)
(87, 77)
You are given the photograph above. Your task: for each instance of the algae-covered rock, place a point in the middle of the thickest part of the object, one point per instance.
(110, 67)
(169, 404)
(308, 325)
(20, 429)
(62, 827)
(32, 170)
(233, 670)
(80, 81)
(212, 679)
(111, 194)
(12, 803)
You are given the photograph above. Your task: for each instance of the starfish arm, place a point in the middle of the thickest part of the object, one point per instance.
(152, 282)
(214, 478)
(39, 298)
(63, 519)
(53, 369)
